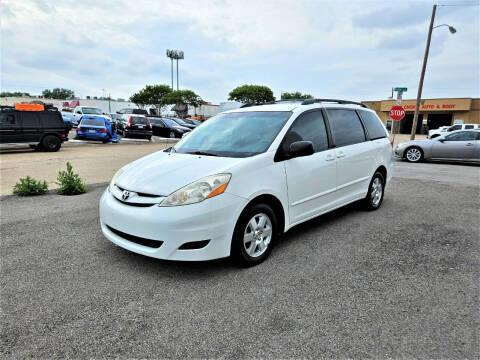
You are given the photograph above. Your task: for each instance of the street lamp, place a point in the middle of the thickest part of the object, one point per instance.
(175, 54)
(422, 74)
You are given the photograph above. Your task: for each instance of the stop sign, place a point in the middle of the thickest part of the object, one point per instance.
(397, 113)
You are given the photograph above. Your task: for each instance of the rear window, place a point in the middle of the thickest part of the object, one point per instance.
(140, 111)
(92, 122)
(139, 120)
(373, 124)
(346, 127)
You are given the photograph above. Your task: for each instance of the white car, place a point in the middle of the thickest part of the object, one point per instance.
(79, 111)
(437, 132)
(443, 130)
(246, 176)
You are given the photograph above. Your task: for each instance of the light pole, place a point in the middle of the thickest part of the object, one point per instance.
(177, 55)
(422, 74)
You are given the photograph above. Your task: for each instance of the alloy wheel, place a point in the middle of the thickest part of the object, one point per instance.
(413, 154)
(376, 192)
(257, 235)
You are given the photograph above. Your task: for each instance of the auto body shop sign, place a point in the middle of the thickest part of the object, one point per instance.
(431, 105)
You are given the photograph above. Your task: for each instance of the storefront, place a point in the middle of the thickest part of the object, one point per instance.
(433, 113)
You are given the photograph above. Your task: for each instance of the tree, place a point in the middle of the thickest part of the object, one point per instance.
(295, 95)
(182, 97)
(151, 95)
(58, 93)
(14, 94)
(252, 94)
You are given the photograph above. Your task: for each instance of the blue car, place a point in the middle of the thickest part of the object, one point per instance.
(96, 128)
(67, 122)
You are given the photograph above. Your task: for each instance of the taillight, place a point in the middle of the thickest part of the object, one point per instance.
(80, 129)
(149, 123)
(391, 140)
(102, 130)
(129, 121)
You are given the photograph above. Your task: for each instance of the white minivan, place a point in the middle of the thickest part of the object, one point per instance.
(244, 177)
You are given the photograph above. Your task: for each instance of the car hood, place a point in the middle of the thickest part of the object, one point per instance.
(162, 173)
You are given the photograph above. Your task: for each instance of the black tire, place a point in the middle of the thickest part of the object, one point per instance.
(413, 154)
(149, 138)
(51, 143)
(104, 141)
(239, 252)
(371, 201)
(172, 135)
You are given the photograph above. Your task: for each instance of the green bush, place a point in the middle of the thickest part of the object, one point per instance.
(29, 186)
(70, 183)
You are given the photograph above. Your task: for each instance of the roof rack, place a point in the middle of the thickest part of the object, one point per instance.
(272, 102)
(314, 101)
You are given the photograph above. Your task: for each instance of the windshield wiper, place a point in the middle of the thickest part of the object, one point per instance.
(201, 153)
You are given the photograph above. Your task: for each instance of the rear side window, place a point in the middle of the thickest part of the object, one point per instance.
(468, 127)
(139, 111)
(308, 127)
(139, 120)
(346, 127)
(51, 120)
(30, 120)
(7, 119)
(373, 124)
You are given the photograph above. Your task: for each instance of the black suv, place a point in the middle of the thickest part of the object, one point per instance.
(42, 130)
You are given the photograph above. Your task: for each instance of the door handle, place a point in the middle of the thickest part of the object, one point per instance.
(469, 144)
(340, 155)
(330, 157)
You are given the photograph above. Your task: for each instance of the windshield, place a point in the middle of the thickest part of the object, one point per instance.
(170, 122)
(92, 111)
(180, 122)
(237, 134)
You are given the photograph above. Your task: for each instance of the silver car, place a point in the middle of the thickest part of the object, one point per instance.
(461, 145)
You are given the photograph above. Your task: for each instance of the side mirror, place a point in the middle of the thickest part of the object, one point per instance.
(441, 140)
(300, 148)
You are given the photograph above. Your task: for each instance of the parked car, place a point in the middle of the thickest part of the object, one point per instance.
(237, 182)
(41, 129)
(192, 121)
(165, 127)
(135, 126)
(68, 122)
(96, 128)
(80, 111)
(116, 118)
(437, 132)
(459, 145)
(184, 123)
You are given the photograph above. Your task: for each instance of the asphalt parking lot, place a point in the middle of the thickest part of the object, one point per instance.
(398, 282)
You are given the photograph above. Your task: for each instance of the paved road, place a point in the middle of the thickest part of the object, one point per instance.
(398, 282)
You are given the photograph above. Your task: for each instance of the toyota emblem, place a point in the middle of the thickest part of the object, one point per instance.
(125, 194)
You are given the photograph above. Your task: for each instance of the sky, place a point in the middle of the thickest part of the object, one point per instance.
(355, 50)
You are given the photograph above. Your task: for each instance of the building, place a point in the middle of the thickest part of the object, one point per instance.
(433, 113)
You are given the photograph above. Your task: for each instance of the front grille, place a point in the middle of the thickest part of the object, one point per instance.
(133, 204)
(136, 239)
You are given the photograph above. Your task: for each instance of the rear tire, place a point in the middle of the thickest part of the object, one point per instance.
(51, 143)
(255, 232)
(413, 154)
(374, 197)
(172, 135)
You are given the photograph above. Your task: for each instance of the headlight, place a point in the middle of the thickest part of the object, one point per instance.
(114, 178)
(198, 191)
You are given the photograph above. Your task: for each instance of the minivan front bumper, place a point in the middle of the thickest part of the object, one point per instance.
(213, 219)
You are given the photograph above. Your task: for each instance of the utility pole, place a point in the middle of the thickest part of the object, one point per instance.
(422, 75)
(177, 55)
(177, 73)
(172, 72)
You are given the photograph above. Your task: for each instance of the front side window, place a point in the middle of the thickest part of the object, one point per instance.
(373, 124)
(346, 127)
(455, 127)
(468, 127)
(462, 136)
(236, 134)
(308, 127)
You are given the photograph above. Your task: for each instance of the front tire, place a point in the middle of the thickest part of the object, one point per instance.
(374, 197)
(51, 143)
(413, 154)
(255, 232)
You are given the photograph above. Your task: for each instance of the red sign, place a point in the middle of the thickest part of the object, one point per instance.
(397, 113)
